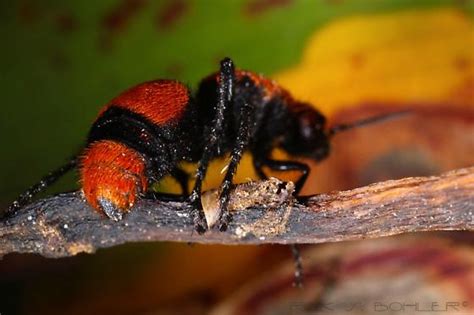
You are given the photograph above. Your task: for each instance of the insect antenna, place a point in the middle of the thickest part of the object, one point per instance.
(363, 122)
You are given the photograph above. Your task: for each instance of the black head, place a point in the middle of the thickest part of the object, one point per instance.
(307, 135)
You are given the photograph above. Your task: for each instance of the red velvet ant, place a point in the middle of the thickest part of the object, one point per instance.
(144, 133)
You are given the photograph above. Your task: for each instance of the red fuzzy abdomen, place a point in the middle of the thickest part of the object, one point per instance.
(112, 173)
(159, 101)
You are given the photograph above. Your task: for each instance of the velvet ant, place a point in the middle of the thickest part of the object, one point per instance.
(143, 134)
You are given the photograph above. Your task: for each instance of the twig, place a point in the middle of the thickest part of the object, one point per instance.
(65, 225)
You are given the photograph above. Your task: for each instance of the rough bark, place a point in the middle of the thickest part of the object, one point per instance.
(264, 212)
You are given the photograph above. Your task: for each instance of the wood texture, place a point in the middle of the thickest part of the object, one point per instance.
(264, 212)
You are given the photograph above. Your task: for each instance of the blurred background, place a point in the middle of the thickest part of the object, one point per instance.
(62, 60)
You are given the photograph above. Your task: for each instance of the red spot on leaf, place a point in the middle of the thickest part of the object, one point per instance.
(118, 18)
(28, 12)
(461, 63)
(258, 7)
(66, 22)
(357, 60)
(170, 13)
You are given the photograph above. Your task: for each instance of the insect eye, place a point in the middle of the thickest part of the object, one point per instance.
(306, 130)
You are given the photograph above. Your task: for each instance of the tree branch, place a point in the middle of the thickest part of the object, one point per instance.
(264, 212)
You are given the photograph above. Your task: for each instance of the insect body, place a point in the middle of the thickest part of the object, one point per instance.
(146, 132)
(139, 137)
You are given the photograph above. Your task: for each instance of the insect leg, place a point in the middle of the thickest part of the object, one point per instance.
(44, 183)
(225, 91)
(258, 166)
(295, 252)
(182, 178)
(289, 166)
(240, 144)
(286, 166)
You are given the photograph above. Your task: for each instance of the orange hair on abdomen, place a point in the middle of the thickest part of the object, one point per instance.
(112, 171)
(159, 101)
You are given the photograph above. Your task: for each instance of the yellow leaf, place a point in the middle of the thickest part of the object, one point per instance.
(406, 57)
